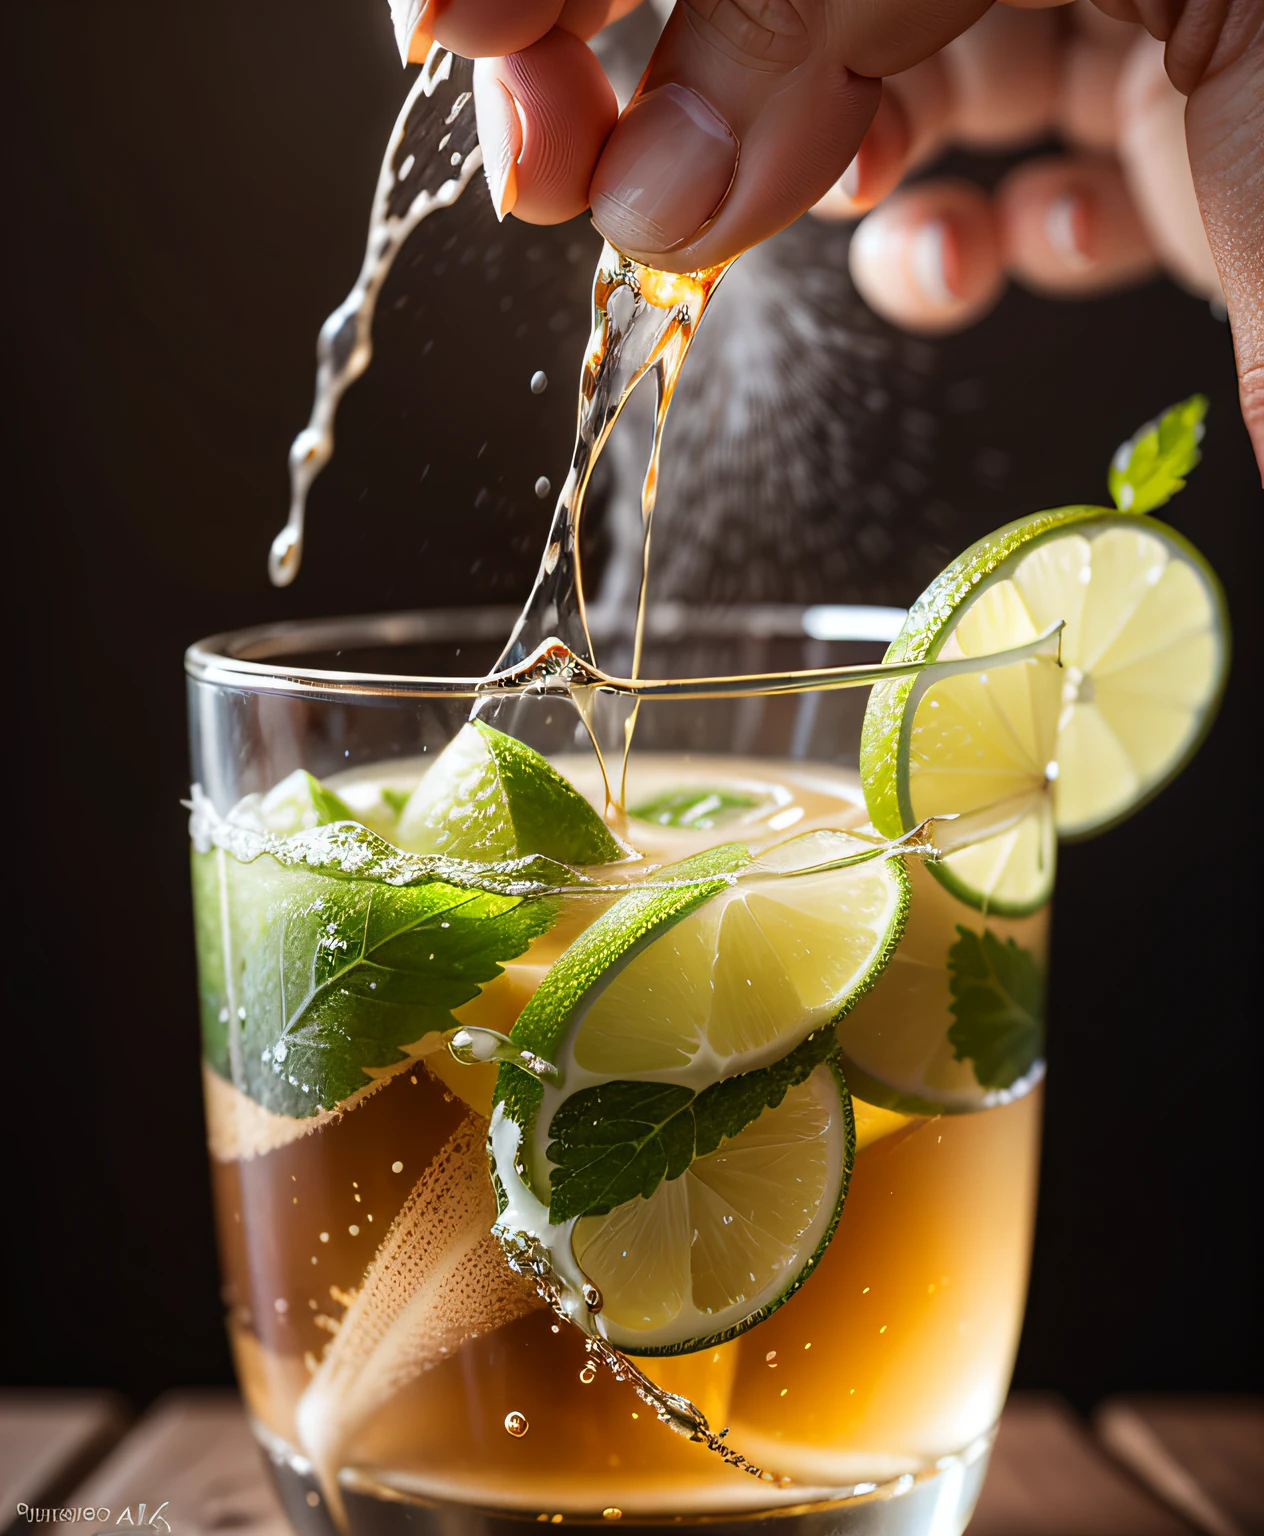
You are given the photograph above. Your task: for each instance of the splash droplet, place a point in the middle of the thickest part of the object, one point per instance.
(516, 1424)
(543, 486)
(285, 557)
(539, 381)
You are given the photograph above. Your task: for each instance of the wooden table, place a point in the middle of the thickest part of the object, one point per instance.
(1145, 1466)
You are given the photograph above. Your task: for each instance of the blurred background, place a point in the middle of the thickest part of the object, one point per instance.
(186, 193)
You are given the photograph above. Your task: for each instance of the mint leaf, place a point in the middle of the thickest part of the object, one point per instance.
(212, 982)
(623, 1139)
(700, 810)
(998, 1005)
(322, 977)
(1151, 466)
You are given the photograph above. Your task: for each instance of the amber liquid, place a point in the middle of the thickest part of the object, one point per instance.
(894, 1354)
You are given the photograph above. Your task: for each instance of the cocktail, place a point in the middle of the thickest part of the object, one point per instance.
(608, 1136)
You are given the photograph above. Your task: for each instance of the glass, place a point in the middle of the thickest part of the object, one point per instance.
(390, 1359)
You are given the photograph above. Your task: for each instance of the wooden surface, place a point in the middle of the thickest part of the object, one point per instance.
(1148, 1467)
(49, 1441)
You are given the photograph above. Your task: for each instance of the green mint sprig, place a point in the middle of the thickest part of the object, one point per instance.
(698, 809)
(320, 978)
(998, 1007)
(1151, 466)
(623, 1139)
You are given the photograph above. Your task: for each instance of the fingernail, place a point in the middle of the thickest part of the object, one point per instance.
(934, 262)
(849, 181)
(1069, 229)
(500, 132)
(665, 173)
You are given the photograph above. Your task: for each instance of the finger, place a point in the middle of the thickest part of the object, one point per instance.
(585, 18)
(876, 167)
(1003, 76)
(926, 96)
(1224, 124)
(1085, 112)
(543, 115)
(928, 259)
(907, 128)
(1067, 226)
(738, 127)
(1155, 159)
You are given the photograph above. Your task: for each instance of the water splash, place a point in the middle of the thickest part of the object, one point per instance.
(431, 156)
(643, 322)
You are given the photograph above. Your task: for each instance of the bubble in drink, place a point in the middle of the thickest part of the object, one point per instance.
(539, 381)
(516, 1424)
(588, 1375)
(592, 1298)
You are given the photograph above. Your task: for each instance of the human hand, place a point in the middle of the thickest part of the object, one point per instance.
(1119, 205)
(752, 110)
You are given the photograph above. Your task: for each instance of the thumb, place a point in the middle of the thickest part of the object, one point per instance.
(1224, 127)
(746, 115)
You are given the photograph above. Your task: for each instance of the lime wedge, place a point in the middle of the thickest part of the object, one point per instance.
(713, 1252)
(299, 803)
(1028, 749)
(489, 797)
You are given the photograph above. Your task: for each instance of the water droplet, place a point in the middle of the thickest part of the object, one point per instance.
(539, 381)
(543, 486)
(516, 1424)
(285, 557)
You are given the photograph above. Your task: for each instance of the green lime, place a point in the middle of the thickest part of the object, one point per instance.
(488, 797)
(702, 999)
(1029, 748)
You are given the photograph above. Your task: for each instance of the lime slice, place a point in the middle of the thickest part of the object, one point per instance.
(749, 968)
(712, 1252)
(911, 1045)
(489, 797)
(700, 1001)
(1033, 751)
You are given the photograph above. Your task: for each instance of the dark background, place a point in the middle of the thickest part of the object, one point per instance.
(186, 190)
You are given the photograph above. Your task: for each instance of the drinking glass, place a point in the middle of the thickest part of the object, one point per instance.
(398, 1371)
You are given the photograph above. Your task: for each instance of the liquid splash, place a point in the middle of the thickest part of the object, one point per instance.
(431, 156)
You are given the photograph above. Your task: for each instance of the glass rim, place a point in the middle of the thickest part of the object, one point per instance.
(248, 659)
